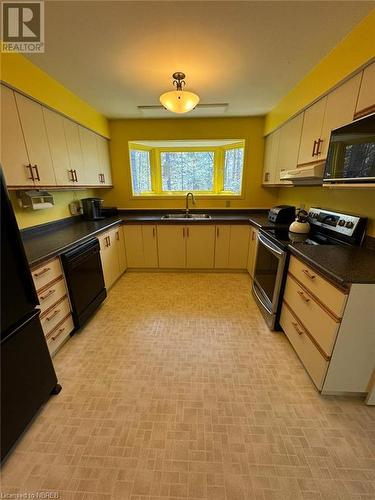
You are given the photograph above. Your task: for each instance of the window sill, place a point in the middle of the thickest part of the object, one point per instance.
(205, 196)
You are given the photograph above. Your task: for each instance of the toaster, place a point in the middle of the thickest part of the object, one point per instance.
(282, 214)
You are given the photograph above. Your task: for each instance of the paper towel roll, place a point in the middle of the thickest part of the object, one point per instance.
(41, 206)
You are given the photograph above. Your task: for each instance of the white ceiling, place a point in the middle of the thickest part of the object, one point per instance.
(118, 55)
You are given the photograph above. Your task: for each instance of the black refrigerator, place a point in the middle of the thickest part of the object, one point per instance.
(27, 374)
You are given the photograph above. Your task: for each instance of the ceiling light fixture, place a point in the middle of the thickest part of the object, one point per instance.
(179, 100)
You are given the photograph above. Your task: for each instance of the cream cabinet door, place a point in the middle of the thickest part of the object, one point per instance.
(238, 246)
(90, 156)
(74, 151)
(290, 136)
(222, 246)
(104, 162)
(121, 252)
(150, 246)
(14, 158)
(339, 110)
(109, 257)
(34, 131)
(253, 247)
(200, 246)
(171, 246)
(58, 147)
(134, 245)
(366, 98)
(311, 132)
(271, 151)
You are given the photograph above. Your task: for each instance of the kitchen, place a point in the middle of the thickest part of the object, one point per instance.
(188, 258)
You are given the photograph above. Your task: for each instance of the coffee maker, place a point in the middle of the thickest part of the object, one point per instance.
(92, 208)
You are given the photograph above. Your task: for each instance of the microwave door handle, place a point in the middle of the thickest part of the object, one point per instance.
(272, 248)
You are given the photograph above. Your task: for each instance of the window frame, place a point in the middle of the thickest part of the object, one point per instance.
(218, 174)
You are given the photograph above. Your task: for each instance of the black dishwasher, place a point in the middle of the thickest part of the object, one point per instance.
(84, 277)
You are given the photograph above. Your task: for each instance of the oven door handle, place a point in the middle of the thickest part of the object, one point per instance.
(271, 247)
(260, 299)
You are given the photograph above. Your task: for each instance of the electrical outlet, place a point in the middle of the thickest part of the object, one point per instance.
(75, 208)
(227, 203)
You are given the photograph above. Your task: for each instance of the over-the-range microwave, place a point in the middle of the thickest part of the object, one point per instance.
(351, 153)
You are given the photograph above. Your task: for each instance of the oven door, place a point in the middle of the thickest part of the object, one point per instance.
(268, 277)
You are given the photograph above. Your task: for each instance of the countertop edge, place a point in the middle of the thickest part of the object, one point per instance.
(60, 250)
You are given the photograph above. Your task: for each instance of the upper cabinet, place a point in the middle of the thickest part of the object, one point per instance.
(305, 138)
(290, 136)
(366, 98)
(311, 131)
(339, 111)
(14, 157)
(104, 165)
(42, 148)
(35, 134)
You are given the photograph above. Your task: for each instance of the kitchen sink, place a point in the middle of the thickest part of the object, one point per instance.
(186, 216)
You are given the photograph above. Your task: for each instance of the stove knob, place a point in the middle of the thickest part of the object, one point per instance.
(341, 223)
(349, 224)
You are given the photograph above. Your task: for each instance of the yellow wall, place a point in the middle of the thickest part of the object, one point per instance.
(357, 48)
(22, 74)
(28, 217)
(249, 128)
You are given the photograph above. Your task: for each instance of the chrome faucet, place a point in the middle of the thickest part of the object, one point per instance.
(187, 202)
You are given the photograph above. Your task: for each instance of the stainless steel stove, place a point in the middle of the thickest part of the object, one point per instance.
(327, 228)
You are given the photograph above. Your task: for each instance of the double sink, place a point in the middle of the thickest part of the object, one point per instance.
(187, 216)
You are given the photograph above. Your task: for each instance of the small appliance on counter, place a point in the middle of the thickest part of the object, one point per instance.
(92, 208)
(109, 211)
(282, 214)
(301, 224)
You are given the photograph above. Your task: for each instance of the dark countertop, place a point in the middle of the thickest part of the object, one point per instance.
(339, 263)
(44, 243)
(51, 239)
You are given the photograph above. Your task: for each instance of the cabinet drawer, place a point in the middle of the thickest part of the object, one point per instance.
(328, 294)
(52, 294)
(318, 322)
(311, 358)
(44, 274)
(61, 332)
(54, 315)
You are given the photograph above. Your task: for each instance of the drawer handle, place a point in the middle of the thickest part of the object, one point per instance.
(117, 235)
(303, 297)
(50, 292)
(40, 273)
(55, 313)
(300, 332)
(308, 274)
(59, 332)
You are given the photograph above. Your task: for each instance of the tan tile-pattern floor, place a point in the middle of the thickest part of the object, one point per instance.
(177, 390)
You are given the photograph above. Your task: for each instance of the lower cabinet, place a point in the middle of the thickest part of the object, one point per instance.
(141, 245)
(231, 246)
(200, 247)
(253, 247)
(112, 253)
(171, 246)
(238, 246)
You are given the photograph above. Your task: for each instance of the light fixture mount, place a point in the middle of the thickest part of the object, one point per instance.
(179, 101)
(179, 80)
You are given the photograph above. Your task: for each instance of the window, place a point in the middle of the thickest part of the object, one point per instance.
(233, 164)
(187, 170)
(165, 168)
(140, 171)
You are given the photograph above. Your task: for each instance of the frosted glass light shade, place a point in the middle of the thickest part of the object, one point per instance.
(179, 101)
